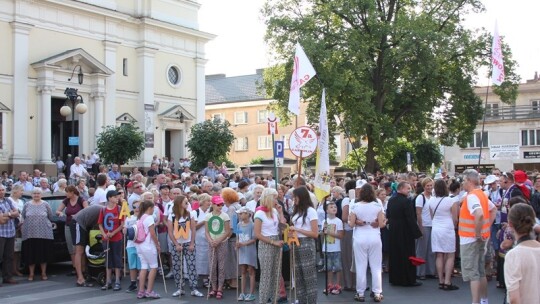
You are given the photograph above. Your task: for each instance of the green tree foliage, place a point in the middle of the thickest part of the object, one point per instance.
(426, 152)
(355, 159)
(119, 145)
(210, 140)
(392, 68)
(394, 155)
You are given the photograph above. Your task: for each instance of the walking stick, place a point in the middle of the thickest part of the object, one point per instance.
(107, 261)
(281, 228)
(124, 260)
(325, 249)
(238, 266)
(162, 273)
(210, 274)
(181, 269)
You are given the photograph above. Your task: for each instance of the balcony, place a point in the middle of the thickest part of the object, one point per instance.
(512, 112)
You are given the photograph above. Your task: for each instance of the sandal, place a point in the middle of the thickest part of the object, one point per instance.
(449, 287)
(84, 284)
(212, 293)
(378, 298)
(219, 295)
(359, 298)
(441, 285)
(328, 289)
(141, 294)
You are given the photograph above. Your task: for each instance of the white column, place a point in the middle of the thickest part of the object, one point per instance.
(98, 115)
(146, 114)
(110, 82)
(44, 118)
(186, 133)
(201, 85)
(20, 93)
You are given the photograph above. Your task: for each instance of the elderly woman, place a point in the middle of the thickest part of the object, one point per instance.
(267, 219)
(71, 206)
(18, 202)
(37, 234)
(83, 190)
(62, 184)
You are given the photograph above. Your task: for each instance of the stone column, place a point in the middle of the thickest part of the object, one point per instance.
(145, 107)
(201, 85)
(20, 93)
(98, 98)
(44, 118)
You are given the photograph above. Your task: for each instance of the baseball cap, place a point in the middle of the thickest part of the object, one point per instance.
(244, 209)
(490, 179)
(217, 200)
(360, 183)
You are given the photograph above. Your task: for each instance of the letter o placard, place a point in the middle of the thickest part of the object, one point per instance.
(220, 225)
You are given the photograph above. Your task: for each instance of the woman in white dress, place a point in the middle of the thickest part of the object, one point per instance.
(444, 213)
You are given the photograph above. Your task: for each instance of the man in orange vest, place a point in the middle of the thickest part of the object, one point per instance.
(476, 215)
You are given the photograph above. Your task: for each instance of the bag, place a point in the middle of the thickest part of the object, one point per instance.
(140, 234)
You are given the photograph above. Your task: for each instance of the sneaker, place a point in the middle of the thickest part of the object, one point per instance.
(169, 275)
(336, 290)
(117, 287)
(141, 294)
(320, 263)
(152, 295)
(249, 298)
(282, 301)
(196, 293)
(241, 297)
(131, 288)
(106, 286)
(179, 292)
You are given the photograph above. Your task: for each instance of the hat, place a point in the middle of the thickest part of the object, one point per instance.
(164, 186)
(416, 261)
(490, 179)
(360, 183)
(217, 200)
(111, 193)
(130, 184)
(244, 209)
(438, 176)
(520, 176)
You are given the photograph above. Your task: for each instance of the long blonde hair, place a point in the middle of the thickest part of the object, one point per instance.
(267, 200)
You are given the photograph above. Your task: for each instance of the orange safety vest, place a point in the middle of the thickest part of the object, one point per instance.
(466, 219)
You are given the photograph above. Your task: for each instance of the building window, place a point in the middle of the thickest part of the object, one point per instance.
(535, 105)
(218, 116)
(479, 139)
(240, 118)
(262, 116)
(265, 142)
(125, 67)
(492, 110)
(286, 141)
(241, 144)
(174, 75)
(530, 137)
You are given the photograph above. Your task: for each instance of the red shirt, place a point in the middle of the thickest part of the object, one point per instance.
(116, 221)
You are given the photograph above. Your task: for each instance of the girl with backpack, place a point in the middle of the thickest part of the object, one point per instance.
(147, 245)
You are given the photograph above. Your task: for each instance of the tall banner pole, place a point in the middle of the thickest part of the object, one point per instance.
(275, 166)
(273, 130)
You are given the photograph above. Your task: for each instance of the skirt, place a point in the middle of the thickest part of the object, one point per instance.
(231, 267)
(37, 251)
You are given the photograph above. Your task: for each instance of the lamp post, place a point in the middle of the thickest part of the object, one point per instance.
(77, 104)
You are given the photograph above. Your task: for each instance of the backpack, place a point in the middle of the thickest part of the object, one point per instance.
(140, 234)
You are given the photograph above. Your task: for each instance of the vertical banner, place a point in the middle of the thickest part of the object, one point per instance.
(497, 73)
(322, 173)
(149, 126)
(303, 71)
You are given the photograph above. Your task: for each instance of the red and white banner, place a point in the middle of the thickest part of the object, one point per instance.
(303, 71)
(497, 73)
(272, 123)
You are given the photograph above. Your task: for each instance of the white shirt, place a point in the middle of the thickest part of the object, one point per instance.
(421, 202)
(346, 202)
(269, 227)
(367, 212)
(251, 205)
(334, 244)
(77, 171)
(100, 196)
(299, 223)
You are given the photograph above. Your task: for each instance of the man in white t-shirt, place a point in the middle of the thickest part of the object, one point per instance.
(476, 215)
(100, 196)
(257, 192)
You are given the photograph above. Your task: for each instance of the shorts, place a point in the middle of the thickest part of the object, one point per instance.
(69, 241)
(114, 256)
(473, 261)
(148, 258)
(163, 239)
(133, 259)
(334, 261)
(79, 235)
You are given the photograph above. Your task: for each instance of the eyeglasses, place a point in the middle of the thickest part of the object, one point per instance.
(219, 205)
(290, 186)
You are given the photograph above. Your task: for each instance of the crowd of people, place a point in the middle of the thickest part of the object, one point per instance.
(212, 227)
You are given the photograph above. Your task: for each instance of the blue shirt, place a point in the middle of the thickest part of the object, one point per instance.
(26, 185)
(7, 230)
(114, 175)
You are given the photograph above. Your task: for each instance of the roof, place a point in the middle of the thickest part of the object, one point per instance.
(222, 89)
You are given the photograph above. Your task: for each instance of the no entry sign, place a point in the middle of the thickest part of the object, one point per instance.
(303, 142)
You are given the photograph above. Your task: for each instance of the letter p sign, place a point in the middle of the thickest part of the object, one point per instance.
(278, 149)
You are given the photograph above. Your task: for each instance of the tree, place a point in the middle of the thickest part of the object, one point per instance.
(352, 161)
(392, 68)
(426, 152)
(119, 145)
(210, 140)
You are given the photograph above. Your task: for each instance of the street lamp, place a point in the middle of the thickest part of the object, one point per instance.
(77, 104)
(180, 116)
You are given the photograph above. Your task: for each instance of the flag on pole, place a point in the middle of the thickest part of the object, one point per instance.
(322, 171)
(497, 73)
(303, 71)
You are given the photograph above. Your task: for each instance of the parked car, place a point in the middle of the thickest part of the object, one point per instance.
(61, 253)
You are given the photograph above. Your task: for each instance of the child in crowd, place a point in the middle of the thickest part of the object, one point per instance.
(110, 226)
(218, 229)
(333, 231)
(134, 263)
(247, 253)
(147, 252)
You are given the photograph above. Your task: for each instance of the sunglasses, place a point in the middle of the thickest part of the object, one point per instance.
(219, 205)
(138, 187)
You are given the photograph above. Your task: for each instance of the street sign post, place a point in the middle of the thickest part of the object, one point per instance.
(279, 153)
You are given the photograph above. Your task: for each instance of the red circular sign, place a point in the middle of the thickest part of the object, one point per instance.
(303, 142)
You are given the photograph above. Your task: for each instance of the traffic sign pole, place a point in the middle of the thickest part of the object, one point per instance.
(275, 167)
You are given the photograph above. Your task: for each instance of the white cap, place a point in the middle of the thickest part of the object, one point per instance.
(360, 183)
(490, 179)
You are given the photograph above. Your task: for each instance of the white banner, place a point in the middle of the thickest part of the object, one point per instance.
(497, 74)
(504, 151)
(322, 172)
(303, 71)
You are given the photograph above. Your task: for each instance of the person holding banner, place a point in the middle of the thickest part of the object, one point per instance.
(218, 229)
(181, 228)
(110, 225)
